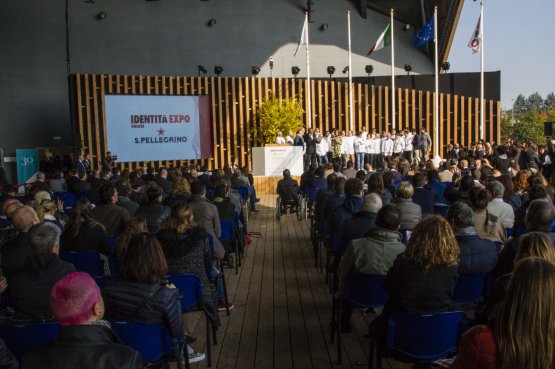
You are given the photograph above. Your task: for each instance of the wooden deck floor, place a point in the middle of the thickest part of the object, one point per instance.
(282, 305)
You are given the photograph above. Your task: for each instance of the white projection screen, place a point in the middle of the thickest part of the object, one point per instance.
(150, 128)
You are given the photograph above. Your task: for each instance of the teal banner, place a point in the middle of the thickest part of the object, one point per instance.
(27, 164)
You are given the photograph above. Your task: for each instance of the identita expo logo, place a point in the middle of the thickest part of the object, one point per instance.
(145, 121)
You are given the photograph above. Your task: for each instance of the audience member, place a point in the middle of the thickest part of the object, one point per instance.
(142, 294)
(522, 331)
(372, 254)
(206, 216)
(477, 255)
(187, 251)
(135, 226)
(423, 277)
(376, 185)
(162, 180)
(16, 251)
(423, 197)
(124, 190)
(111, 216)
(57, 182)
(486, 224)
(497, 206)
(29, 287)
(83, 232)
(350, 206)
(85, 340)
(180, 191)
(153, 211)
(362, 221)
(410, 212)
(288, 191)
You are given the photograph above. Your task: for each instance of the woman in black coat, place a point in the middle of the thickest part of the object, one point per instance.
(142, 293)
(187, 250)
(422, 278)
(83, 232)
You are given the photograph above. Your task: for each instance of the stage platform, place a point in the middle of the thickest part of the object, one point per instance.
(283, 306)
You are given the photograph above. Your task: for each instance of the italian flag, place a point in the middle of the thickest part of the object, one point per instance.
(383, 41)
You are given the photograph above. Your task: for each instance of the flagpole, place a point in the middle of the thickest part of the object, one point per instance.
(482, 70)
(436, 97)
(393, 120)
(308, 90)
(351, 124)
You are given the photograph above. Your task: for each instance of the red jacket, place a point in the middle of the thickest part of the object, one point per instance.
(478, 350)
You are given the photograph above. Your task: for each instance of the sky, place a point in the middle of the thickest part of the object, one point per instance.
(519, 40)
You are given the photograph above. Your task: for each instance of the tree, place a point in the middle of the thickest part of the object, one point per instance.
(275, 115)
(525, 120)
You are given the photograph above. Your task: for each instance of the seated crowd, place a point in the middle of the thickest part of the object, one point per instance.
(145, 226)
(482, 212)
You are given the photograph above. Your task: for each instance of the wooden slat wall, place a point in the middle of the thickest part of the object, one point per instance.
(235, 101)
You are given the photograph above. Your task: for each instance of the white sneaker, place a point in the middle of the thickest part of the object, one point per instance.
(196, 356)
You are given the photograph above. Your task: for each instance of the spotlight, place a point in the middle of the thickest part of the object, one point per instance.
(255, 70)
(201, 69)
(218, 70)
(101, 15)
(406, 27)
(408, 68)
(324, 27)
(369, 69)
(331, 70)
(211, 22)
(346, 69)
(295, 70)
(446, 66)
(271, 62)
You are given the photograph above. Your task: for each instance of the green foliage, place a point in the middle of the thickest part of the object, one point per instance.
(525, 120)
(274, 115)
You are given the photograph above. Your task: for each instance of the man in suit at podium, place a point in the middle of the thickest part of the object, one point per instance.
(310, 151)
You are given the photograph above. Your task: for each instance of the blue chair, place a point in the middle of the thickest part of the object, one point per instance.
(227, 236)
(469, 289)
(21, 338)
(421, 337)
(85, 261)
(509, 232)
(67, 197)
(359, 289)
(151, 340)
(191, 300)
(441, 209)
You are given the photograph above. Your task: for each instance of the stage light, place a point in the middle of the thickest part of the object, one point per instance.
(295, 70)
(255, 70)
(218, 70)
(101, 15)
(369, 69)
(331, 70)
(324, 27)
(271, 62)
(408, 68)
(406, 27)
(446, 66)
(201, 69)
(211, 22)
(346, 69)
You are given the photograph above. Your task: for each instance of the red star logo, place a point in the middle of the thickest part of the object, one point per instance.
(161, 132)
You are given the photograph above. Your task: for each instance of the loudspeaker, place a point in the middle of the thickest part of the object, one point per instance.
(548, 129)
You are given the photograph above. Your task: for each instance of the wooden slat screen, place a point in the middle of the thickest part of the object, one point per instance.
(235, 101)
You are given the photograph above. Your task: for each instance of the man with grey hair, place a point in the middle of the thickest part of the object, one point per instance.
(29, 287)
(477, 255)
(362, 221)
(539, 217)
(39, 185)
(498, 207)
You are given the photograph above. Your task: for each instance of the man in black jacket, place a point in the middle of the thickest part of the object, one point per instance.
(30, 286)
(153, 211)
(85, 340)
(16, 251)
(310, 149)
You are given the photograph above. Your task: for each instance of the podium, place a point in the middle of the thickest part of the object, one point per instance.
(271, 160)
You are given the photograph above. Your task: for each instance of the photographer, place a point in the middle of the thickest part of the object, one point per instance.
(109, 161)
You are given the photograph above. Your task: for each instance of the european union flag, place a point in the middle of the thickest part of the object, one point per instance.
(424, 35)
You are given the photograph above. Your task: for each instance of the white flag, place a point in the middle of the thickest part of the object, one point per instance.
(304, 36)
(475, 42)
